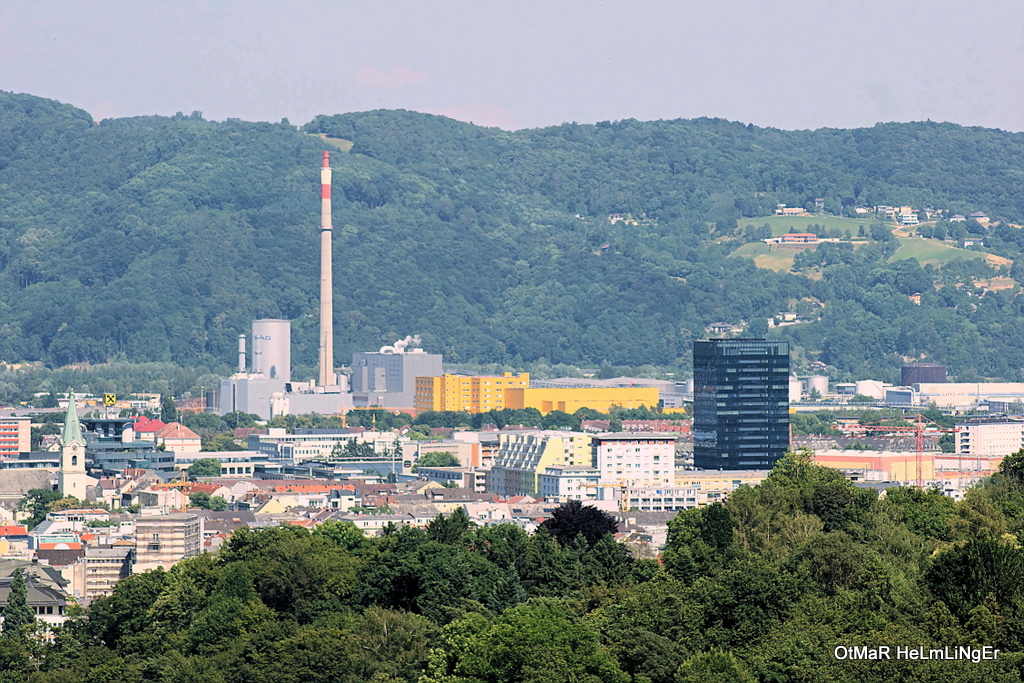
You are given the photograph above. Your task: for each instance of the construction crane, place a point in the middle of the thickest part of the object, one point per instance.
(917, 428)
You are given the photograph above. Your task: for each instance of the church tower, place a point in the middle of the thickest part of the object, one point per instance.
(72, 479)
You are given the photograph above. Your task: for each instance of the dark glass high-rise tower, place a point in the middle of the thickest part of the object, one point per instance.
(740, 403)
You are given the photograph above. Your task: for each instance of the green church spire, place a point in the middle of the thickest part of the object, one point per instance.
(72, 428)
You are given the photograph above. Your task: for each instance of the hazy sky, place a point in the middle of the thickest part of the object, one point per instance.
(523, 63)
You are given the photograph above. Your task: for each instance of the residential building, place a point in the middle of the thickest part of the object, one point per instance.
(472, 394)
(740, 403)
(635, 459)
(47, 603)
(664, 498)
(15, 436)
(990, 436)
(472, 478)
(163, 540)
(483, 446)
(719, 480)
(179, 438)
(112, 447)
(524, 455)
(31, 460)
(103, 567)
(561, 484)
(371, 525)
(145, 428)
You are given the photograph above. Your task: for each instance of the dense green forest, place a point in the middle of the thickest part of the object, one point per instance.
(760, 589)
(157, 239)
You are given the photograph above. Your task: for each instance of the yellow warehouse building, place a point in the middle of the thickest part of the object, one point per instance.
(569, 400)
(478, 394)
(472, 394)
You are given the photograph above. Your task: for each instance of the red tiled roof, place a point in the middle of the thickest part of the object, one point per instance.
(13, 530)
(176, 430)
(148, 425)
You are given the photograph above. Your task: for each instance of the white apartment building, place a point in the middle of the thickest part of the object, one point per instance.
(164, 540)
(993, 437)
(657, 498)
(627, 459)
(562, 484)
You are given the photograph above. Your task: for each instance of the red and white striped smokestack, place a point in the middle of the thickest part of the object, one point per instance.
(327, 377)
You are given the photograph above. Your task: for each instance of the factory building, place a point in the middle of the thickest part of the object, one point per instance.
(387, 378)
(472, 394)
(965, 395)
(569, 400)
(251, 391)
(272, 349)
(923, 373)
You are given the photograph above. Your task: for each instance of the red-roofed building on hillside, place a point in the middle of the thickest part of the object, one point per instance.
(13, 530)
(179, 438)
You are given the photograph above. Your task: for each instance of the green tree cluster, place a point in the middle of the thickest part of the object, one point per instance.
(211, 219)
(762, 587)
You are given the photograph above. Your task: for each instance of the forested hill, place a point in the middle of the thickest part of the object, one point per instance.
(160, 238)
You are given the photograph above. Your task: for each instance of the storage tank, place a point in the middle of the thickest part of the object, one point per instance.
(272, 348)
(688, 387)
(871, 387)
(795, 389)
(923, 373)
(819, 382)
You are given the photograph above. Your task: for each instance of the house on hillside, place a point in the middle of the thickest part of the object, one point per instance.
(799, 238)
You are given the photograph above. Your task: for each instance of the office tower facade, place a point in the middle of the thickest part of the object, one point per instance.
(740, 403)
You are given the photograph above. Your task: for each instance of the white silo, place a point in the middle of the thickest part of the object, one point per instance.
(795, 389)
(819, 383)
(272, 348)
(871, 387)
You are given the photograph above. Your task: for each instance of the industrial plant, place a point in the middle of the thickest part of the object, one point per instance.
(263, 383)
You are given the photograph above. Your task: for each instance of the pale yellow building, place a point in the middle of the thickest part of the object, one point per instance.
(471, 394)
(889, 466)
(571, 399)
(719, 480)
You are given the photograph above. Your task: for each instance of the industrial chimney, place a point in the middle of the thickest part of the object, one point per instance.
(241, 353)
(326, 279)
